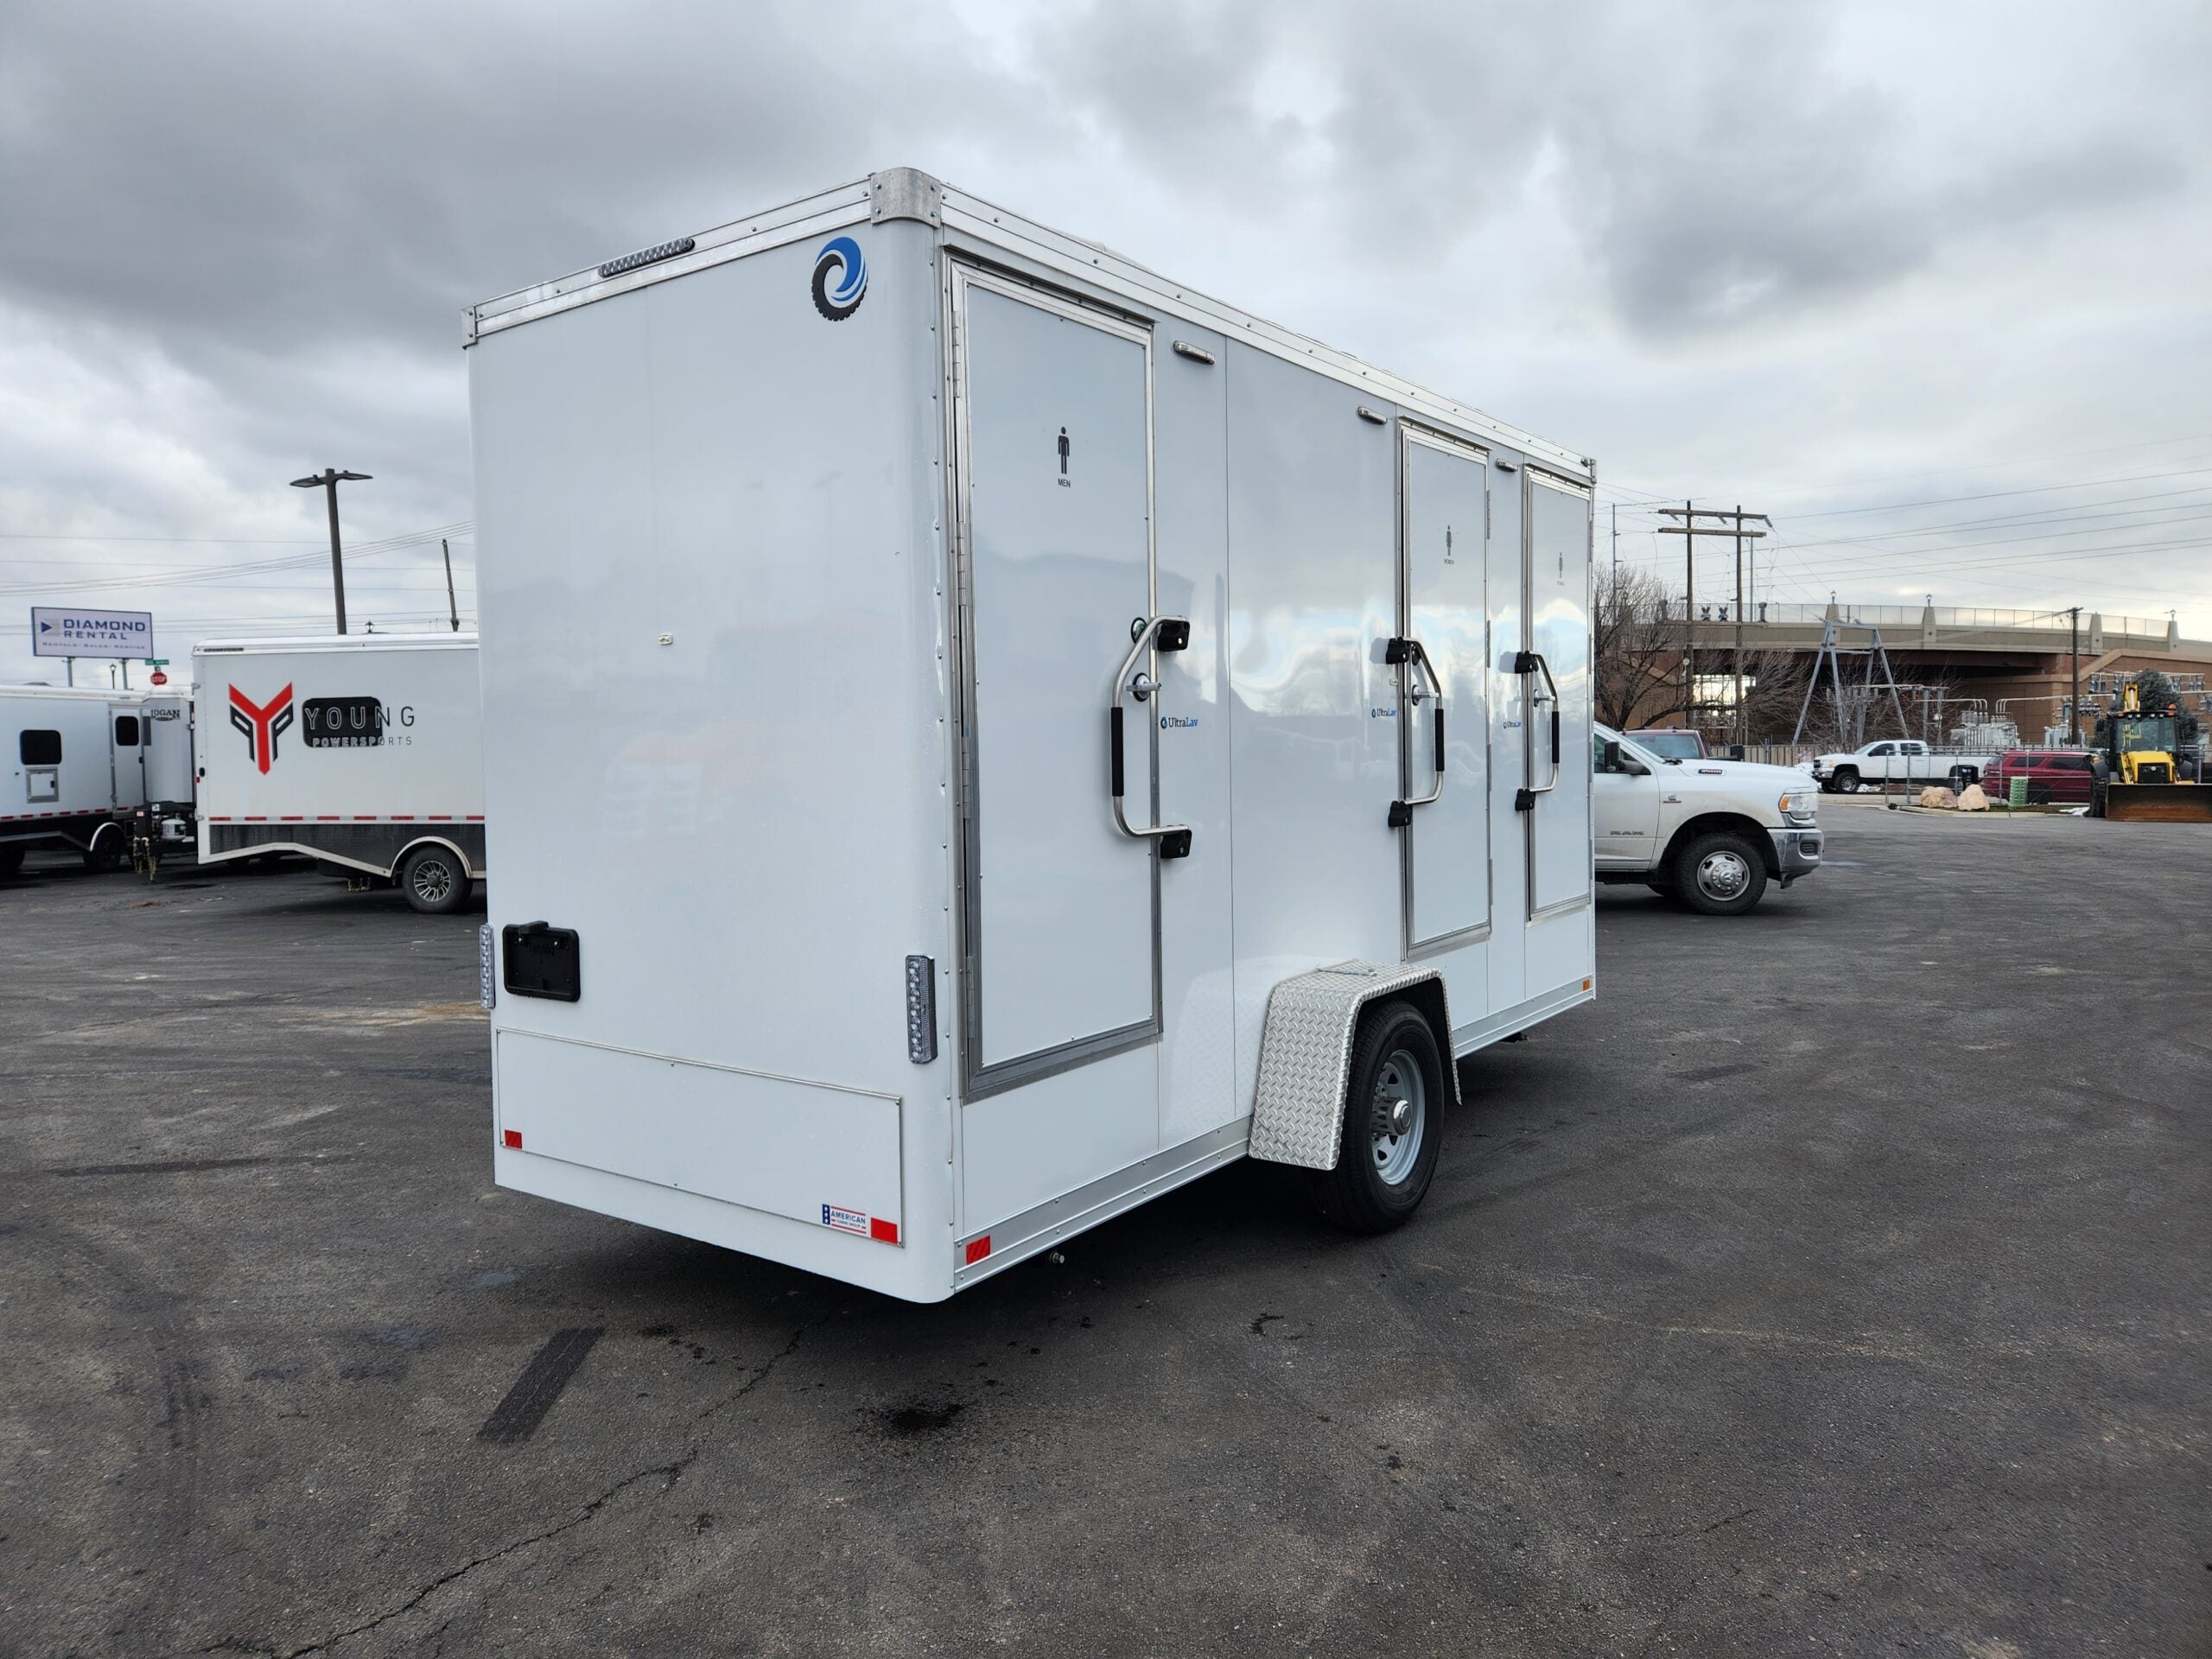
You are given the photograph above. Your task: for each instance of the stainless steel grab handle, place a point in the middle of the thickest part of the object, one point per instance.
(1169, 633)
(1532, 662)
(1409, 653)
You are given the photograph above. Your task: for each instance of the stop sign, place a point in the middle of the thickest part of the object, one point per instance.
(160, 678)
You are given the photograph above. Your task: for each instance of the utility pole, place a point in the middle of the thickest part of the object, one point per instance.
(2074, 663)
(328, 481)
(1743, 733)
(1731, 523)
(452, 609)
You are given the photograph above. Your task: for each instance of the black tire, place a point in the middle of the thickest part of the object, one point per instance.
(434, 880)
(1379, 1180)
(1720, 873)
(108, 853)
(2039, 794)
(1847, 780)
(11, 860)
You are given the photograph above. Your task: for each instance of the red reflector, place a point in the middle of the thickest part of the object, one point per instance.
(887, 1231)
(978, 1248)
(512, 1137)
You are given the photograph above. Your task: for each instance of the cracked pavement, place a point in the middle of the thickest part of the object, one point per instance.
(1836, 1284)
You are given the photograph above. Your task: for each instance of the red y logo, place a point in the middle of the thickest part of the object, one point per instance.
(262, 725)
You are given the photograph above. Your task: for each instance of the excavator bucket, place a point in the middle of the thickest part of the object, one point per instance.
(2158, 803)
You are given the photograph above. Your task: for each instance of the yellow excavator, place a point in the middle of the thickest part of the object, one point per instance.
(2147, 766)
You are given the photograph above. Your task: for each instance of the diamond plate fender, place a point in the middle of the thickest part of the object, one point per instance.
(1305, 1051)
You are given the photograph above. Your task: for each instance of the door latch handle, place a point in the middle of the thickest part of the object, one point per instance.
(1162, 633)
(1532, 662)
(1410, 654)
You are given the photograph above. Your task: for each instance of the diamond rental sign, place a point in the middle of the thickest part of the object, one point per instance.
(61, 630)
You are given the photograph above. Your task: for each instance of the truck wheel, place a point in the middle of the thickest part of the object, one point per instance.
(1720, 873)
(106, 854)
(1847, 780)
(434, 880)
(1394, 1124)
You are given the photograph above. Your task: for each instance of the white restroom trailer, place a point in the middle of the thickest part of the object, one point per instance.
(168, 784)
(988, 734)
(71, 759)
(364, 752)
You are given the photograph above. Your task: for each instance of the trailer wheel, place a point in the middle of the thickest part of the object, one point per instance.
(106, 854)
(434, 880)
(1394, 1124)
(1720, 873)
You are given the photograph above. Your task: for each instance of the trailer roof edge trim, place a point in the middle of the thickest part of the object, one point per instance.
(915, 195)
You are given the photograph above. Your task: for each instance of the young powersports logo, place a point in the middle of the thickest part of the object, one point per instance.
(840, 279)
(261, 723)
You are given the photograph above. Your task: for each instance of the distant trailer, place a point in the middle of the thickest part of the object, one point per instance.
(364, 752)
(73, 774)
(988, 734)
(169, 787)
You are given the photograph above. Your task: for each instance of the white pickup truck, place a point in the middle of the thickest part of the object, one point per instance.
(1710, 833)
(1899, 760)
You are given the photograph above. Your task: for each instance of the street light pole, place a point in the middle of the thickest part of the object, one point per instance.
(327, 480)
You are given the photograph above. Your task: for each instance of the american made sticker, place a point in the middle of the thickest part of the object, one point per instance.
(861, 1223)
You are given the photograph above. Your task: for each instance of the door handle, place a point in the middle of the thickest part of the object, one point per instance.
(1524, 664)
(1164, 633)
(1409, 654)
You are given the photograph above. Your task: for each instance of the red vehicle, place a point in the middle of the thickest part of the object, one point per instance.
(2054, 775)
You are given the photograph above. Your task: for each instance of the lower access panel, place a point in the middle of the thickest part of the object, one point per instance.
(810, 1151)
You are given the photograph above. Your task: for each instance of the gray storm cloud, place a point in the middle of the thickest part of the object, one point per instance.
(1722, 247)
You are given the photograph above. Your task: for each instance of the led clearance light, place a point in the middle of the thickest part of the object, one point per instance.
(651, 256)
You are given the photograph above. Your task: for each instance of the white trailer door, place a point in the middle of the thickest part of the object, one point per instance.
(1557, 604)
(1443, 510)
(1054, 471)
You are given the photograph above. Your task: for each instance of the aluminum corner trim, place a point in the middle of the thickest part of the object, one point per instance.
(905, 193)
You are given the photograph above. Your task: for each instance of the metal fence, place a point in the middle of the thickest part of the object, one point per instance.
(1950, 618)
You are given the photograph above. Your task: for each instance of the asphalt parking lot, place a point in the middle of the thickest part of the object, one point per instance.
(1837, 1283)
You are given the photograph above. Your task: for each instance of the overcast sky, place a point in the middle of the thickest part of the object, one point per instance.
(1927, 283)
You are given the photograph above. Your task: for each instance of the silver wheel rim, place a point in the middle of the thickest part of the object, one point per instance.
(433, 881)
(1397, 1117)
(1723, 875)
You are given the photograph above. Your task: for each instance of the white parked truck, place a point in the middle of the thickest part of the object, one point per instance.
(988, 734)
(73, 772)
(364, 752)
(1894, 761)
(1712, 833)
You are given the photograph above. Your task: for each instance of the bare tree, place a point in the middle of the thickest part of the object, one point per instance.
(1636, 649)
(1774, 689)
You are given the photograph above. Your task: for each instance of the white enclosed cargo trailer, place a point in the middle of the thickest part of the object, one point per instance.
(364, 752)
(73, 773)
(169, 781)
(988, 734)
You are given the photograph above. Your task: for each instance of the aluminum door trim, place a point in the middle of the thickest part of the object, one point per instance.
(1411, 432)
(1532, 475)
(960, 275)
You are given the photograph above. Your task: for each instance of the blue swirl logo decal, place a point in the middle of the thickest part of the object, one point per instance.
(840, 279)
